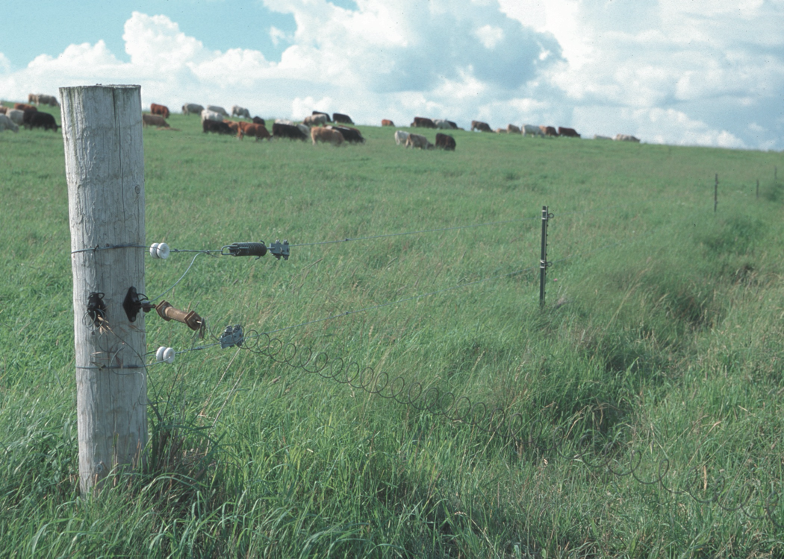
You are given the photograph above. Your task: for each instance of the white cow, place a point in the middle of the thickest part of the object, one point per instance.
(626, 138)
(418, 141)
(304, 128)
(401, 136)
(285, 121)
(533, 130)
(315, 120)
(208, 115)
(240, 111)
(192, 109)
(442, 124)
(16, 116)
(8, 124)
(217, 109)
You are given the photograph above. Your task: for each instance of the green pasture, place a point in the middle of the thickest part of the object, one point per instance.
(643, 401)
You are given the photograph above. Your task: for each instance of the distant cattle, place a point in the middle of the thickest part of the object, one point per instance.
(285, 121)
(17, 116)
(27, 116)
(162, 110)
(281, 130)
(208, 115)
(533, 130)
(8, 124)
(154, 120)
(512, 129)
(219, 127)
(418, 141)
(240, 112)
(598, 137)
(501, 131)
(626, 138)
(258, 120)
(445, 142)
(568, 132)
(315, 120)
(218, 109)
(444, 124)
(32, 98)
(548, 130)
(481, 126)
(258, 131)
(43, 99)
(351, 135)
(423, 122)
(25, 106)
(401, 136)
(327, 135)
(387, 122)
(192, 109)
(322, 113)
(42, 120)
(341, 118)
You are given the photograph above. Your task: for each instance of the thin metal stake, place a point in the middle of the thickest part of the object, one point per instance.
(544, 253)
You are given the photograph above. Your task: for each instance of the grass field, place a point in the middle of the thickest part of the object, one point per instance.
(645, 397)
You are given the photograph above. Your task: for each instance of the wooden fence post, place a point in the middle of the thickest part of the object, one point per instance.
(104, 164)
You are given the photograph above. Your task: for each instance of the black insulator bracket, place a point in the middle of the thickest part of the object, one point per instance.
(280, 249)
(246, 249)
(232, 336)
(135, 302)
(96, 308)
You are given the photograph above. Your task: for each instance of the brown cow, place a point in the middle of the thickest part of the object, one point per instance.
(323, 134)
(548, 130)
(481, 126)
(423, 122)
(445, 142)
(513, 129)
(162, 110)
(568, 132)
(250, 129)
(387, 122)
(25, 106)
(154, 120)
(32, 98)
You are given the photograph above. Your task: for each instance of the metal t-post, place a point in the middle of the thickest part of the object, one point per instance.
(544, 253)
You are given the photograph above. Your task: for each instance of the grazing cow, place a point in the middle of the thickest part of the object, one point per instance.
(285, 121)
(401, 136)
(626, 138)
(322, 113)
(154, 120)
(32, 98)
(533, 130)
(418, 141)
(250, 129)
(282, 130)
(8, 124)
(162, 110)
(217, 109)
(192, 109)
(568, 132)
(43, 120)
(25, 106)
(387, 122)
(512, 129)
(304, 128)
(324, 134)
(341, 118)
(444, 124)
(481, 126)
(240, 111)
(208, 115)
(219, 127)
(598, 137)
(315, 120)
(50, 100)
(351, 135)
(17, 116)
(422, 122)
(258, 120)
(548, 130)
(445, 142)
(27, 116)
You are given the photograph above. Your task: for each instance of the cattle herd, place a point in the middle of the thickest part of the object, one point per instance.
(318, 126)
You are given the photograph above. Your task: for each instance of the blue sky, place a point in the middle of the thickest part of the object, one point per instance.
(693, 72)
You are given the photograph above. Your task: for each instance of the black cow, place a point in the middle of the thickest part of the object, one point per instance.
(350, 134)
(327, 116)
(445, 142)
(42, 120)
(27, 116)
(423, 122)
(290, 131)
(341, 118)
(258, 120)
(218, 127)
(569, 132)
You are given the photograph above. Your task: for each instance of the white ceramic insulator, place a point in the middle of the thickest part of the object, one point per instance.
(169, 355)
(159, 354)
(162, 250)
(154, 250)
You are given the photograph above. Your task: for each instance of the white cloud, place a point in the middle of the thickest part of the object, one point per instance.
(489, 36)
(5, 64)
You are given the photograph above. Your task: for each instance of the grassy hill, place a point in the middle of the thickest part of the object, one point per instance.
(643, 404)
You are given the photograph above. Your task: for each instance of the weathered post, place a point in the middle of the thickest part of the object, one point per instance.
(716, 183)
(544, 253)
(104, 164)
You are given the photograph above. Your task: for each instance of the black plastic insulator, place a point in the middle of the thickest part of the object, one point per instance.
(248, 249)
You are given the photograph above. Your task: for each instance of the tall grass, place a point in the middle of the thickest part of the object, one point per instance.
(659, 349)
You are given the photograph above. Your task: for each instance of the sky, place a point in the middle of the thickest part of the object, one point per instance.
(682, 72)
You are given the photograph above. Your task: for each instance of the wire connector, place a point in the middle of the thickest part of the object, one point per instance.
(232, 336)
(279, 249)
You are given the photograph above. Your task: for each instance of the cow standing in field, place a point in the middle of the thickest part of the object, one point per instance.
(281, 130)
(218, 109)
(43, 120)
(548, 130)
(258, 120)
(258, 131)
(512, 129)
(351, 135)
(327, 135)
(8, 124)
(626, 138)
(422, 122)
(32, 98)
(25, 107)
(326, 115)
(219, 127)
(341, 118)
(444, 124)
(568, 132)
(401, 136)
(481, 126)
(192, 109)
(387, 122)
(162, 110)
(315, 120)
(208, 115)
(27, 116)
(154, 120)
(532, 130)
(418, 141)
(17, 116)
(240, 112)
(43, 99)
(445, 142)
